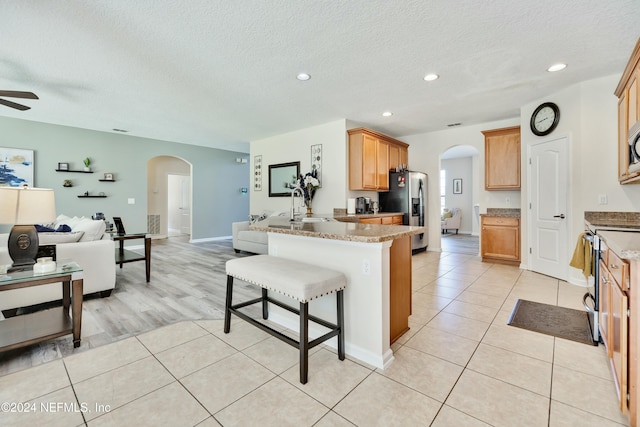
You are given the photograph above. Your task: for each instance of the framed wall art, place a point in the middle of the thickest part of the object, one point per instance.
(257, 173)
(316, 160)
(16, 167)
(457, 186)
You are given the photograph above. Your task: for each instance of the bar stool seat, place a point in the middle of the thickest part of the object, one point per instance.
(297, 280)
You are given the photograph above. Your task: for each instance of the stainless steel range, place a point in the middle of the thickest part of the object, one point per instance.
(591, 299)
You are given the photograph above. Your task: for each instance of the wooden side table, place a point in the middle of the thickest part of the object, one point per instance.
(123, 256)
(28, 329)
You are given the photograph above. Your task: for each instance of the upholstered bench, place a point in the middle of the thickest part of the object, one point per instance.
(297, 280)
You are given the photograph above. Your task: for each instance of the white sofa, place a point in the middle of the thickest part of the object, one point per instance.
(248, 240)
(96, 257)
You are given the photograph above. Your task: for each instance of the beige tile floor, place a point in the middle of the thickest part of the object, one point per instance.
(459, 365)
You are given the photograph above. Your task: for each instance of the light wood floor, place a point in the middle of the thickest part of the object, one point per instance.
(188, 281)
(460, 243)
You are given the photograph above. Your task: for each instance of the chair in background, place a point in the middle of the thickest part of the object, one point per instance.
(451, 220)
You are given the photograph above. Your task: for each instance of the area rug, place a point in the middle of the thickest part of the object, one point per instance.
(548, 319)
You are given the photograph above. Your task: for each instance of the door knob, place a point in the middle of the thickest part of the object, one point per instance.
(561, 216)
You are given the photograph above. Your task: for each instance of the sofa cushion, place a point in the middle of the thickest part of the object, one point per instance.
(52, 238)
(93, 229)
(253, 236)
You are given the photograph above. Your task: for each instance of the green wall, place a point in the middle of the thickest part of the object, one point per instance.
(216, 177)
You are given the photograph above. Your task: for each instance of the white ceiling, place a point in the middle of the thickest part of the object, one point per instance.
(221, 73)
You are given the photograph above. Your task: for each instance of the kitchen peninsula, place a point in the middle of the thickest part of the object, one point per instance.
(377, 262)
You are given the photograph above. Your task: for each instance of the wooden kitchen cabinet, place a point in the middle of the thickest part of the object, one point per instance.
(614, 319)
(500, 239)
(386, 220)
(371, 156)
(628, 93)
(502, 159)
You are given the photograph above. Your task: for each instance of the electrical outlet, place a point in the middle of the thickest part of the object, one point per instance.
(507, 200)
(366, 267)
(602, 199)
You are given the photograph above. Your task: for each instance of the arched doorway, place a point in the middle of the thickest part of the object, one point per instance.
(169, 196)
(459, 192)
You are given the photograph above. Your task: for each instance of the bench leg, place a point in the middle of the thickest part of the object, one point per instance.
(265, 306)
(227, 305)
(340, 314)
(304, 341)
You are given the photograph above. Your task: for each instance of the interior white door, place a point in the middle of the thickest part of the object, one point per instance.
(178, 204)
(548, 237)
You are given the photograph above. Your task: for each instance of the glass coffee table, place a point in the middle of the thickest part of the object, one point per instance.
(27, 329)
(123, 255)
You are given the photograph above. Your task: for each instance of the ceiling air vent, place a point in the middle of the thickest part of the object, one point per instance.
(454, 124)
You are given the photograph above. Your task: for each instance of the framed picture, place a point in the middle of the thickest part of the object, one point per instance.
(457, 186)
(280, 176)
(16, 167)
(257, 173)
(63, 166)
(316, 160)
(108, 177)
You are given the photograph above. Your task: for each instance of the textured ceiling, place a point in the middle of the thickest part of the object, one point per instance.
(222, 73)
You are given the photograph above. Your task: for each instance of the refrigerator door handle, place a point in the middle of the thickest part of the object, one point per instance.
(421, 207)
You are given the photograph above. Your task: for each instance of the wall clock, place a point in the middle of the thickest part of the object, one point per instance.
(544, 119)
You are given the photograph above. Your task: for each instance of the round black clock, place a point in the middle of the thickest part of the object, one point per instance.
(544, 119)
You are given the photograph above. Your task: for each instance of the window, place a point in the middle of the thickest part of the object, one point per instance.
(443, 190)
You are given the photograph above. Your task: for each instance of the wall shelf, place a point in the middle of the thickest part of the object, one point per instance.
(62, 170)
(91, 197)
(107, 180)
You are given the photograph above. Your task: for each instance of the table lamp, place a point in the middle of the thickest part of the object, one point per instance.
(22, 208)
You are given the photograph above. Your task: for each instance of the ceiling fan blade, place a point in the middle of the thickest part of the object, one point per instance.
(14, 105)
(18, 94)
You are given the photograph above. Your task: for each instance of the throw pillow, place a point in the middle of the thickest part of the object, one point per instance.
(255, 218)
(93, 230)
(52, 238)
(447, 214)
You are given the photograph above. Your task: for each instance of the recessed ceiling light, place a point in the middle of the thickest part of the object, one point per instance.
(431, 77)
(387, 114)
(557, 67)
(303, 77)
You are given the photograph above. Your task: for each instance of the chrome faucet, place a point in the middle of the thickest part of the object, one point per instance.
(293, 197)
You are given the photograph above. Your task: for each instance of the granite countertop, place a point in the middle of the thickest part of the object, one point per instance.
(337, 230)
(502, 212)
(626, 245)
(612, 220)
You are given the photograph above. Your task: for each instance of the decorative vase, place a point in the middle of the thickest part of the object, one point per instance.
(309, 210)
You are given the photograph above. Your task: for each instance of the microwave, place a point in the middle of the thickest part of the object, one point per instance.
(634, 148)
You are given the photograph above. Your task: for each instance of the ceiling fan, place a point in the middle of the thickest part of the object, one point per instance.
(16, 94)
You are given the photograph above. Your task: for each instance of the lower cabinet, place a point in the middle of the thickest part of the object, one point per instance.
(386, 220)
(614, 320)
(500, 239)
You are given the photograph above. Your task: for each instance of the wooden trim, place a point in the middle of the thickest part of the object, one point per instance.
(629, 70)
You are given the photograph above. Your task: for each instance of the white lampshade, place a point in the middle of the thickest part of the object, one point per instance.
(27, 206)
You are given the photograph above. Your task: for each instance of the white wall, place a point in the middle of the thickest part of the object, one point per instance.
(424, 155)
(296, 146)
(589, 117)
(461, 168)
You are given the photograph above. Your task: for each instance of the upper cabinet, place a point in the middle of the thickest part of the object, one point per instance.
(371, 156)
(628, 93)
(502, 159)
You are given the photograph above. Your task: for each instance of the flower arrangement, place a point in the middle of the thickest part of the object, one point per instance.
(308, 183)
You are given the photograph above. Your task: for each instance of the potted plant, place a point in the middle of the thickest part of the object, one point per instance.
(67, 183)
(87, 164)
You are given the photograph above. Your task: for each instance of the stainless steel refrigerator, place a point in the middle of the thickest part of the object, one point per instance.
(408, 194)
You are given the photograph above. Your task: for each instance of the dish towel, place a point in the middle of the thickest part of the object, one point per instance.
(582, 256)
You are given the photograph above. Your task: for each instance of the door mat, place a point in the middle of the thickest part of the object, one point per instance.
(548, 319)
